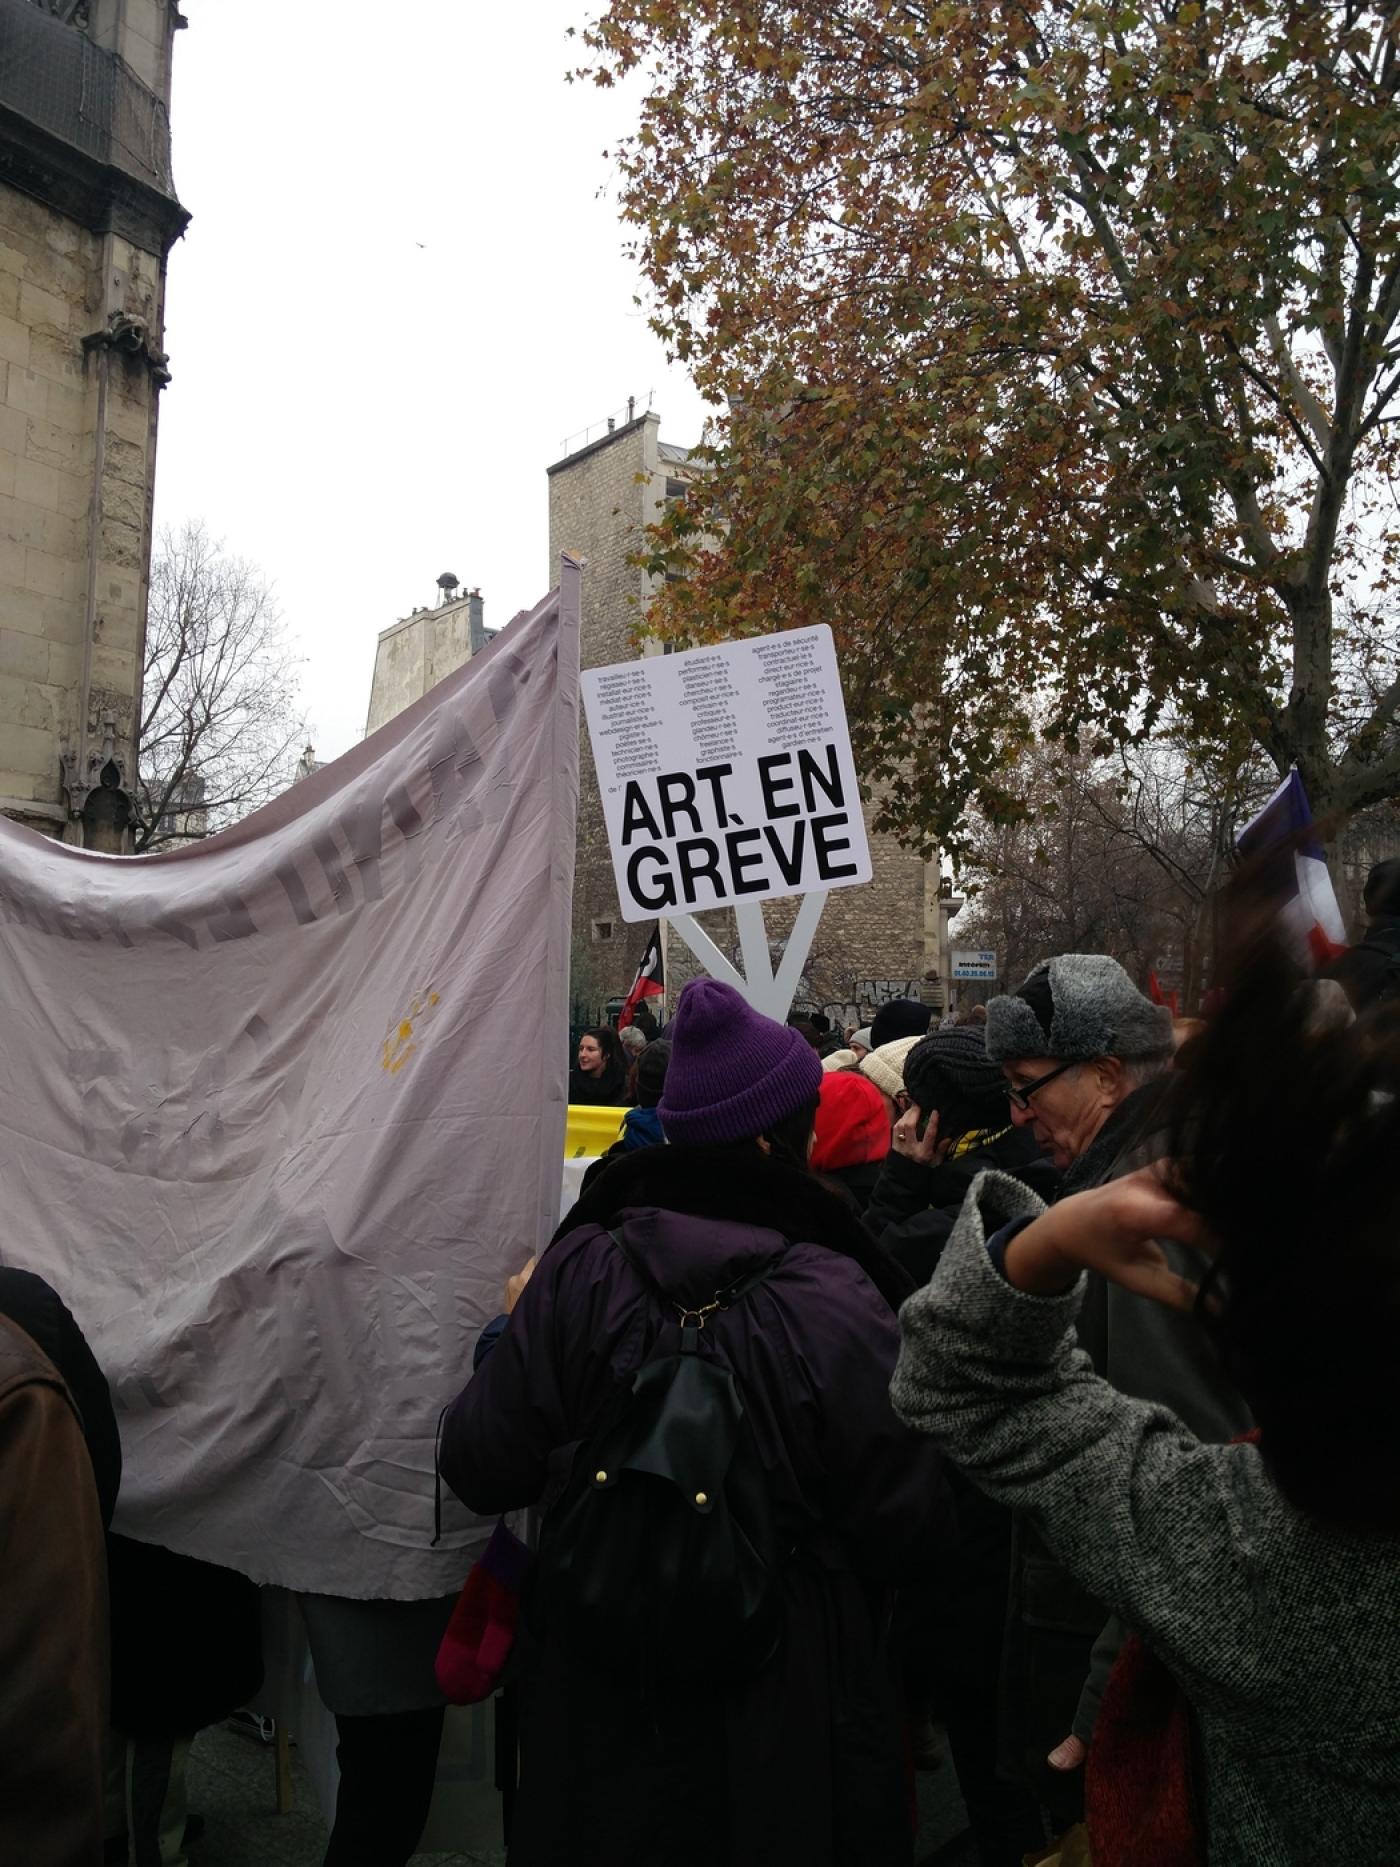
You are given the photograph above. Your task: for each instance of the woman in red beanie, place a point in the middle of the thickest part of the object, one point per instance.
(852, 1134)
(802, 1758)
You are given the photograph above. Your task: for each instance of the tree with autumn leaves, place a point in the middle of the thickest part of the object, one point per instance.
(1054, 349)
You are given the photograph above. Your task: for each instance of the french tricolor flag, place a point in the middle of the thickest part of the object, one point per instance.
(1293, 869)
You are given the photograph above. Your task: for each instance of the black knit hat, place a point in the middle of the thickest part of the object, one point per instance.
(950, 1071)
(651, 1072)
(902, 1017)
(1383, 887)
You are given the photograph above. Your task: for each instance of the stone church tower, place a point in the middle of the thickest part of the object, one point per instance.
(88, 213)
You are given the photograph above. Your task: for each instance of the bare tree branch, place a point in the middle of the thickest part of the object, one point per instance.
(221, 725)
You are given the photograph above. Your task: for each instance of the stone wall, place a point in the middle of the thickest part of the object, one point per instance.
(600, 501)
(87, 216)
(874, 942)
(138, 31)
(74, 528)
(417, 653)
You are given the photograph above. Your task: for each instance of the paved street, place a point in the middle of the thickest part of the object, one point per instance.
(231, 1785)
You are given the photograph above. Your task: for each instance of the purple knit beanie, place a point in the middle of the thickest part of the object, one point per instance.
(733, 1073)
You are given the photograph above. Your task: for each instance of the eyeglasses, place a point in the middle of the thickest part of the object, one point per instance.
(1022, 1097)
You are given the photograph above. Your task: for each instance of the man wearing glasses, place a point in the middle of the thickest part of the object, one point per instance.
(1083, 1054)
(1085, 1057)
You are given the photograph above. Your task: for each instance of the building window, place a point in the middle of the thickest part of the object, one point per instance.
(675, 489)
(602, 930)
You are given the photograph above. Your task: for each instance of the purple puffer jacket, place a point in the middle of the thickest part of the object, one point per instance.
(805, 1762)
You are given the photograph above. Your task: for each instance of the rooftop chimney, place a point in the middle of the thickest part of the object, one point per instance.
(477, 638)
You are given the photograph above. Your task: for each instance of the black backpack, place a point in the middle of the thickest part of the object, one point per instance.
(658, 1562)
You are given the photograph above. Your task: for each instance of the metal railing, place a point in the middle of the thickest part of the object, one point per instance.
(620, 417)
(53, 75)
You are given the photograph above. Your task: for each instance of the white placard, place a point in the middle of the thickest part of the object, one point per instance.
(726, 774)
(979, 963)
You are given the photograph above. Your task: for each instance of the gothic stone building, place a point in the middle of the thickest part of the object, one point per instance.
(88, 213)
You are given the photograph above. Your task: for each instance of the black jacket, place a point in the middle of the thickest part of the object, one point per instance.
(801, 1762)
(606, 1091)
(913, 1208)
(1372, 967)
(855, 1183)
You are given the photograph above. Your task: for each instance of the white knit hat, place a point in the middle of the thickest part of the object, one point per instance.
(839, 1060)
(885, 1066)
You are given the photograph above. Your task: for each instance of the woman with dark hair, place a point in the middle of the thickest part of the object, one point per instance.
(802, 1760)
(1256, 1718)
(600, 1078)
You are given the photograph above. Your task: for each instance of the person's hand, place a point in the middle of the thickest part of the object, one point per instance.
(515, 1285)
(905, 1139)
(1111, 1229)
(1068, 1754)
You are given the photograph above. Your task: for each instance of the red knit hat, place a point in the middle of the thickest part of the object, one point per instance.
(852, 1124)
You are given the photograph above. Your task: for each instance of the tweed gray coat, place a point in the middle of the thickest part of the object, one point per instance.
(1284, 1634)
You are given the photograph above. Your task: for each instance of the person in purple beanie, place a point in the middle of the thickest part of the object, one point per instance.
(804, 1758)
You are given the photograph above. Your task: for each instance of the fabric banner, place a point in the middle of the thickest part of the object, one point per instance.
(281, 1110)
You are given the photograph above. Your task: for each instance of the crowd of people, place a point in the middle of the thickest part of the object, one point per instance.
(1026, 1378)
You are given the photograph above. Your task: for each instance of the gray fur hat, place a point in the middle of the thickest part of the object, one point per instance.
(1077, 1006)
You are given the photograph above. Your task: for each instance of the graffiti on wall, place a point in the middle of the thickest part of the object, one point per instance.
(864, 998)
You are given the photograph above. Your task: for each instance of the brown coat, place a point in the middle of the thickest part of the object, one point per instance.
(53, 1619)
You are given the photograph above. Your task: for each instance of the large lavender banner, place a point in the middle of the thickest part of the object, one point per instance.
(279, 1112)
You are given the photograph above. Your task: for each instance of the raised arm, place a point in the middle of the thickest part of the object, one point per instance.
(1131, 1502)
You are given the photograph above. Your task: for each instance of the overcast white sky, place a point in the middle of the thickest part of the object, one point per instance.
(399, 293)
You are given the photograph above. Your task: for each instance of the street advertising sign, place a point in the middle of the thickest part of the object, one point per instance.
(726, 774)
(978, 963)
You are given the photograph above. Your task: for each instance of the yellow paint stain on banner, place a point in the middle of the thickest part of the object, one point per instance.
(400, 1042)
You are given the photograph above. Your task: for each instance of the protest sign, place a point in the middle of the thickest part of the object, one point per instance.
(726, 775)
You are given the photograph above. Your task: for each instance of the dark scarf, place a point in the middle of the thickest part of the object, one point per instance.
(607, 1090)
(1136, 1116)
(747, 1186)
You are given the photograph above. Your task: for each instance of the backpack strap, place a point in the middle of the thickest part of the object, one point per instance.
(738, 1291)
